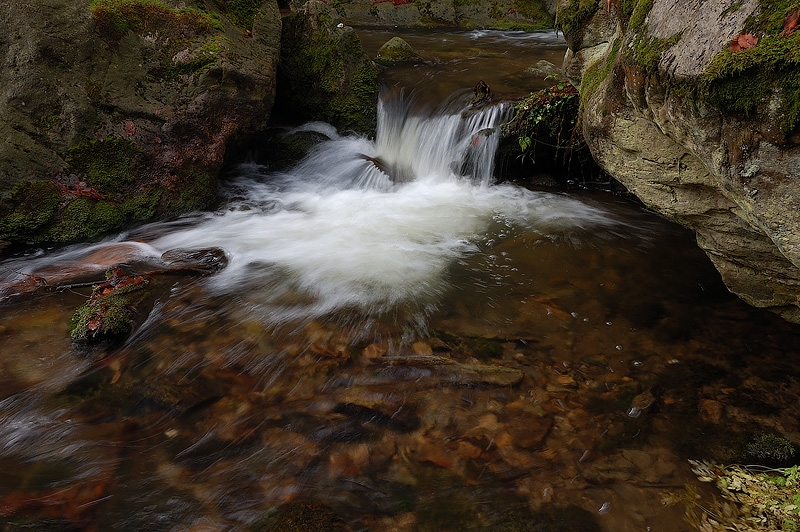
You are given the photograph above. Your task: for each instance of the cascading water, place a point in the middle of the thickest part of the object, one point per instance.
(361, 227)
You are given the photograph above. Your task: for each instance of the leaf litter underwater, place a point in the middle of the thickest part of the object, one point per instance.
(428, 353)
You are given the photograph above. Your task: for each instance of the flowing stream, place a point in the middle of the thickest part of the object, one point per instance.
(396, 343)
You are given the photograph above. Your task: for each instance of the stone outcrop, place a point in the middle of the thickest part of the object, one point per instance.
(324, 73)
(121, 110)
(395, 51)
(704, 135)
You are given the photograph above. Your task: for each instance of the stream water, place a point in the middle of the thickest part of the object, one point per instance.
(426, 352)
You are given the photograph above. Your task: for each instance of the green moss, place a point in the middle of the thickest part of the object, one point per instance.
(745, 82)
(115, 18)
(595, 74)
(637, 12)
(94, 90)
(325, 75)
(355, 109)
(185, 30)
(198, 190)
(571, 18)
(750, 81)
(240, 12)
(45, 123)
(205, 56)
(85, 218)
(108, 165)
(768, 18)
(109, 315)
(31, 205)
(647, 51)
(143, 206)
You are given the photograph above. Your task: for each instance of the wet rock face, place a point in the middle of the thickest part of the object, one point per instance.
(324, 73)
(124, 110)
(705, 135)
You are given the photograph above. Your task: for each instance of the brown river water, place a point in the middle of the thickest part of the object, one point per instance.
(444, 354)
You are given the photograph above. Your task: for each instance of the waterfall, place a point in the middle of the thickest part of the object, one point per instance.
(451, 142)
(454, 141)
(359, 227)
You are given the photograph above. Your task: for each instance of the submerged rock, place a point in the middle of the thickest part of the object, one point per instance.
(448, 370)
(397, 50)
(300, 516)
(545, 69)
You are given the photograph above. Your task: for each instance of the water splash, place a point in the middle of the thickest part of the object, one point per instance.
(365, 227)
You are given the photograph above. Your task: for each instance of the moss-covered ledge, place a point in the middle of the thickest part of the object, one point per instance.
(136, 105)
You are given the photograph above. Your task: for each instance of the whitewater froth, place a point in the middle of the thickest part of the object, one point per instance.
(365, 226)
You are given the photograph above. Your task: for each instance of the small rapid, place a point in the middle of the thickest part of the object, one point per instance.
(361, 226)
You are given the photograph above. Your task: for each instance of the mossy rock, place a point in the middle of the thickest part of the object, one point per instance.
(395, 51)
(109, 313)
(324, 73)
(31, 206)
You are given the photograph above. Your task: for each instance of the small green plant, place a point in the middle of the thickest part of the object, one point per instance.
(763, 498)
(549, 115)
(768, 449)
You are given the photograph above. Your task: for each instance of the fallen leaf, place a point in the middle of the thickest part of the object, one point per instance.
(790, 23)
(743, 41)
(130, 128)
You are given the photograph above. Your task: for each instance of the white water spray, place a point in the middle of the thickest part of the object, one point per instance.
(367, 227)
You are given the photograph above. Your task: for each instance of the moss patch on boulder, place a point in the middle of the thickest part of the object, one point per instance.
(746, 82)
(32, 204)
(84, 218)
(115, 18)
(324, 73)
(108, 165)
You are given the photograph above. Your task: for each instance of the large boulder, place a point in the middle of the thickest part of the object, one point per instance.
(324, 72)
(695, 107)
(113, 111)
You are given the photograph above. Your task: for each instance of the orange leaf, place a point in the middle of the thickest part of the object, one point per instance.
(791, 23)
(743, 41)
